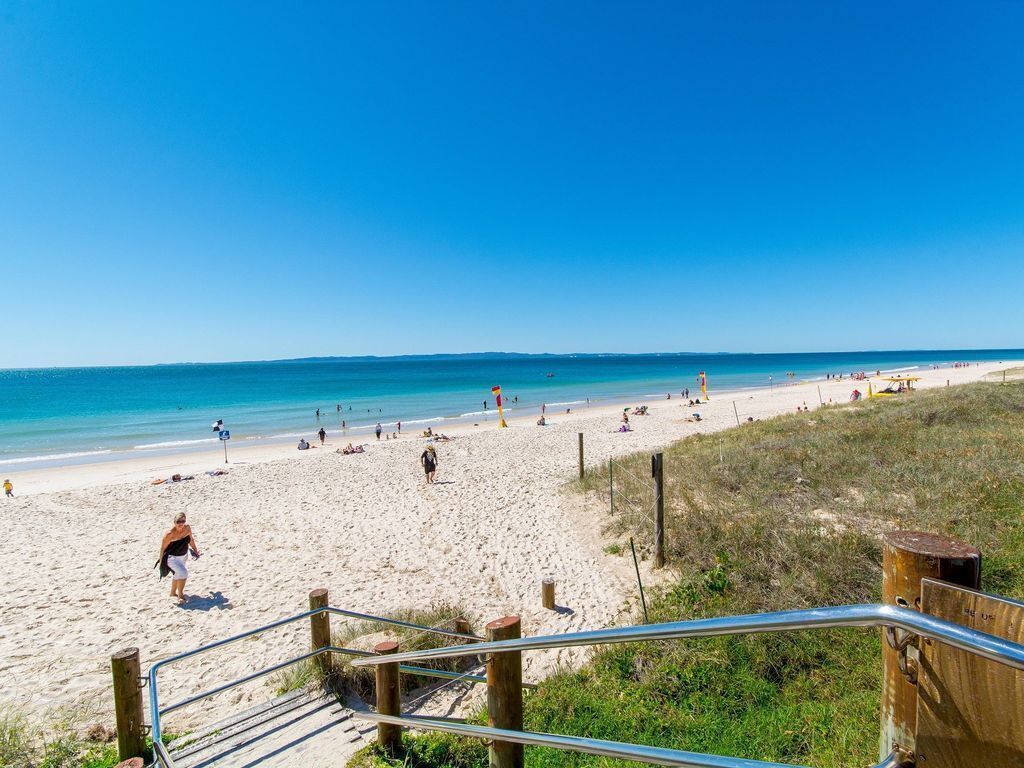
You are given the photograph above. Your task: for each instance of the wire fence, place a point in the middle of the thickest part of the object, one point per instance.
(632, 503)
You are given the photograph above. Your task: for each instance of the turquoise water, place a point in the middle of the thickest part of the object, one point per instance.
(71, 415)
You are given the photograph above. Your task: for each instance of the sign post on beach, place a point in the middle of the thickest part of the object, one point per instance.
(496, 391)
(224, 435)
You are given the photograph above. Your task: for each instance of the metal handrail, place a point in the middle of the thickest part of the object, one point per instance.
(971, 640)
(161, 755)
(923, 625)
(601, 747)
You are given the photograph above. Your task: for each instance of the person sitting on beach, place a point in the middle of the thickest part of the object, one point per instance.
(697, 401)
(428, 432)
(625, 428)
(429, 461)
(303, 445)
(174, 552)
(541, 421)
(691, 403)
(625, 417)
(568, 410)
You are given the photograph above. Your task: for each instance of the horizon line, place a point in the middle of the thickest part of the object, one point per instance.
(409, 356)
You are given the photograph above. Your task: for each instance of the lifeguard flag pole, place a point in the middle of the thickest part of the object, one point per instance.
(704, 384)
(496, 391)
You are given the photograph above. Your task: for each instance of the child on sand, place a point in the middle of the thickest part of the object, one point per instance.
(8, 489)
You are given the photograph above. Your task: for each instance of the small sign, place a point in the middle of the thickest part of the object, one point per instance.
(224, 434)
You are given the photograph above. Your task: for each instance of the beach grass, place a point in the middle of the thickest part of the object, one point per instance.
(776, 514)
(60, 741)
(363, 634)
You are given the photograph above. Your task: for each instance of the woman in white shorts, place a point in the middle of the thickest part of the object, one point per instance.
(174, 552)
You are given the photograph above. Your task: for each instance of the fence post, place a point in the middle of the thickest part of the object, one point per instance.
(131, 728)
(736, 412)
(547, 593)
(320, 630)
(389, 699)
(462, 625)
(581, 455)
(505, 693)
(657, 472)
(611, 488)
(908, 557)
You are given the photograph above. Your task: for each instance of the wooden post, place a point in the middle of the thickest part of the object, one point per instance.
(389, 700)
(131, 728)
(611, 488)
(320, 631)
(547, 593)
(820, 401)
(658, 473)
(908, 557)
(461, 625)
(505, 693)
(581, 455)
(736, 412)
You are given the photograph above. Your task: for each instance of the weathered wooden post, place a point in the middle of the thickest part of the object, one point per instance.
(611, 488)
(547, 593)
(581, 455)
(320, 631)
(736, 412)
(505, 693)
(908, 557)
(131, 728)
(461, 625)
(389, 699)
(658, 473)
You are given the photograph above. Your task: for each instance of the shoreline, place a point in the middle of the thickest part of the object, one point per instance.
(88, 469)
(67, 422)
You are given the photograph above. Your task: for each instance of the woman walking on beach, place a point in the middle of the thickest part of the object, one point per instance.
(378, 430)
(429, 461)
(174, 550)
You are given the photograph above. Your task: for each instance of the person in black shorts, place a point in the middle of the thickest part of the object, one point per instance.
(429, 461)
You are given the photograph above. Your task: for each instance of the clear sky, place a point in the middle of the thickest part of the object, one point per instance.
(222, 181)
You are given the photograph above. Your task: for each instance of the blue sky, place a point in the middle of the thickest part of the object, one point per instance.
(196, 181)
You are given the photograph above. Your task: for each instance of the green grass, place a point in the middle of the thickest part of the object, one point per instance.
(776, 514)
(60, 743)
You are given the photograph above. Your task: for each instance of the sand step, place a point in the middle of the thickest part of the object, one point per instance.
(299, 728)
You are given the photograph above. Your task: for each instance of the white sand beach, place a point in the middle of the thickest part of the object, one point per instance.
(79, 583)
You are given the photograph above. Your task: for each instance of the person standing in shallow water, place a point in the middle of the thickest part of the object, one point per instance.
(378, 430)
(174, 551)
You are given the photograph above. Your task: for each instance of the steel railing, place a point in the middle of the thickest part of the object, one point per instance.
(160, 753)
(913, 622)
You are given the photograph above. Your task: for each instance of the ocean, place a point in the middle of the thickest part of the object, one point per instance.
(75, 415)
